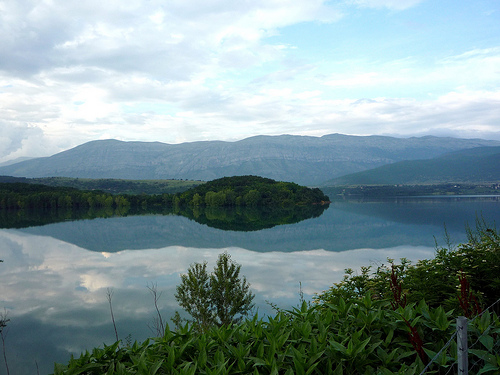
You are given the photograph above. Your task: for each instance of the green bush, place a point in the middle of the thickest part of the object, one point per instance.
(367, 337)
(437, 280)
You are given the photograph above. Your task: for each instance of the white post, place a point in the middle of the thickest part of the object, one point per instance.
(462, 349)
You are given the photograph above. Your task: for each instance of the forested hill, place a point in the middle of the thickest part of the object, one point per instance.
(305, 160)
(476, 165)
(251, 191)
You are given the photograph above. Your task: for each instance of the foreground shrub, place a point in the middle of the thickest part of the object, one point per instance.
(345, 338)
(437, 280)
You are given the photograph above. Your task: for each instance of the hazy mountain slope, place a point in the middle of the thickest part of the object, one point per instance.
(14, 161)
(305, 160)
(472, 165)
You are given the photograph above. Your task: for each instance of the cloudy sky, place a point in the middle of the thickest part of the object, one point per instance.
(175, 71)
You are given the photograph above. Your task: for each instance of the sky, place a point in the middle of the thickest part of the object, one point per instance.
(176, 71)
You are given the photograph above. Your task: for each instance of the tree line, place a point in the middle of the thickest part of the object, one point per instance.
(250, 191)
(33, 196)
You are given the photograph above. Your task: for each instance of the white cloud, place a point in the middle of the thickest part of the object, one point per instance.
(390, 4)
(171, 40)
(181, 71)
(475, 69)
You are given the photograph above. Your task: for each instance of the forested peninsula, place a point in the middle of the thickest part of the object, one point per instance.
(249, 191)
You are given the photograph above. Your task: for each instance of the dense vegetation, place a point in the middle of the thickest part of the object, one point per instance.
(23, 204)
(394, 320)
(251, 191)
(111, 185)
(436, 280)
(34, 196)
(37, 217)
(228, 191)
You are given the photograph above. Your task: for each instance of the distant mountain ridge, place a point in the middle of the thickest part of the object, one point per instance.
(302, 159)
(476, 165)
(14, 161)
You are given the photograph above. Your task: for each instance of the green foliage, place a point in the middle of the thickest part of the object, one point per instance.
(366, 337)
(221, 298)
(31, 196)
(225, 218)
(250, 191)
(193, 295)
(437, 280)
(230, 294)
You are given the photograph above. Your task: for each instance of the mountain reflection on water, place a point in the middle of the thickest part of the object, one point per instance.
(345, 225)
(56, 275)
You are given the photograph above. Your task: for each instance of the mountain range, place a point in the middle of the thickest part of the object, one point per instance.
(305, 160)
(479, 164)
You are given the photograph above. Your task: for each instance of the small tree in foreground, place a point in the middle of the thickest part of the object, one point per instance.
(220, 298)
(193, 295)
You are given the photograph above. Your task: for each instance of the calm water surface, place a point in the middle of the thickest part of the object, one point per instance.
(54, 278)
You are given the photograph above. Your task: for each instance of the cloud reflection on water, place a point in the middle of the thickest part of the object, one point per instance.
(41, 269)
(55, 277)
(55, 292)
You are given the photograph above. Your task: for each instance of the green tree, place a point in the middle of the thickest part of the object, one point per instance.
(230, 294)
(193, 295)
(210, 198)
(221, 298)
(197, 200)
(252, 198)
(215, 199)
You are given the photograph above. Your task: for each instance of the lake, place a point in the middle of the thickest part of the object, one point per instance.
(55, 277)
